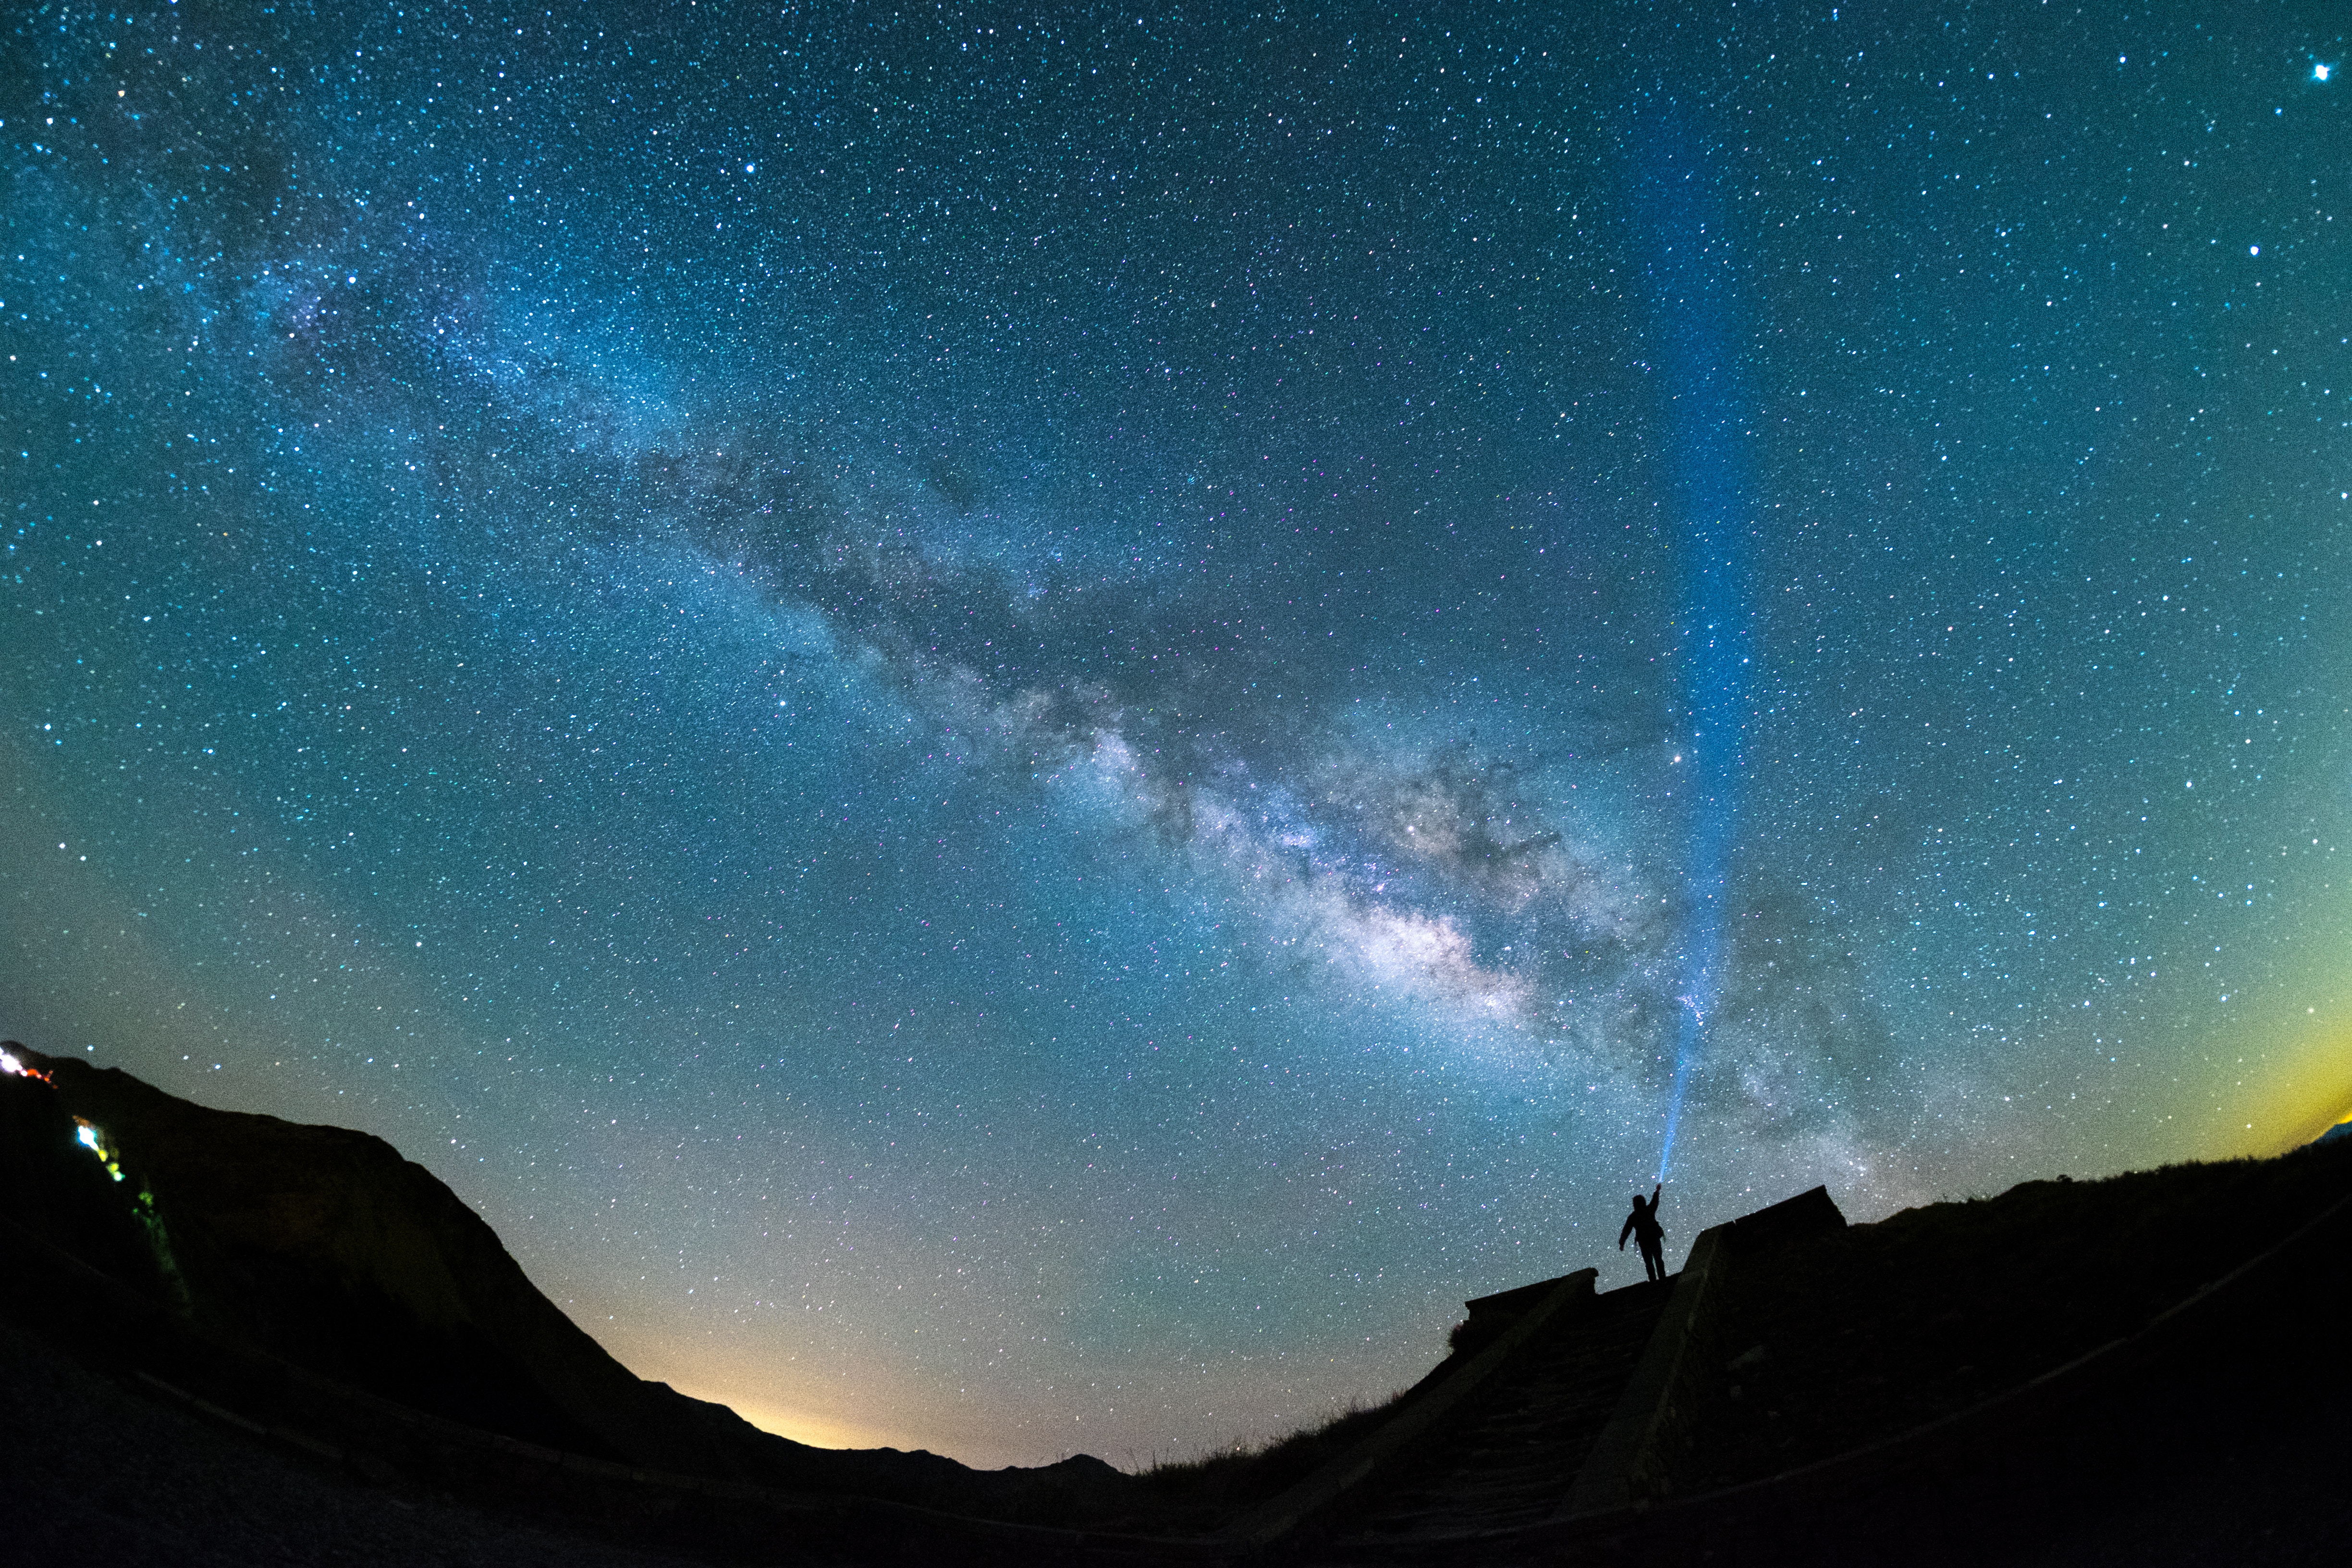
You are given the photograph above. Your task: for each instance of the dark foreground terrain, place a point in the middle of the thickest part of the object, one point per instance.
(266, 1343)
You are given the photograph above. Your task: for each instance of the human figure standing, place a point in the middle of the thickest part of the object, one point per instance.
(1641, 1225)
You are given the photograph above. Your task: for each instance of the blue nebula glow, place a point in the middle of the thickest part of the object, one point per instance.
(1010, 736)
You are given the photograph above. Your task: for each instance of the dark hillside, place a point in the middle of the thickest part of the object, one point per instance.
(55, 1187)
(2124, 1370)
(322, 1247)
(1854, 1337)
(328, 1250)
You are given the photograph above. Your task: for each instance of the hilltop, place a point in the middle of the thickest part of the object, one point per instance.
(2113, 1370)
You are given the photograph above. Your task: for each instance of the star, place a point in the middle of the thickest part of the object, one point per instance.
(1042, 684)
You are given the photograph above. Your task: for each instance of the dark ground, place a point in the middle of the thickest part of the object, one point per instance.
(1854, 1336)
(2042, 1378)
(99, 1473)
(2209, 1435)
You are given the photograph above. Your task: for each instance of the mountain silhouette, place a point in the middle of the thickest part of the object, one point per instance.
(322, 1247)
(2111, 1371)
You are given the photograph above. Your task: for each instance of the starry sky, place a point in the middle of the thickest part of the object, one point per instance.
(1019, 730)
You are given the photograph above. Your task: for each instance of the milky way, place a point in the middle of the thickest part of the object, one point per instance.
(1020, 733)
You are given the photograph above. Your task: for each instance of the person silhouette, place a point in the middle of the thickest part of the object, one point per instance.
(1641, 1225)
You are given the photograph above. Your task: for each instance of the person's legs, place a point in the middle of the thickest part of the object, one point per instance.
(1653, 1260)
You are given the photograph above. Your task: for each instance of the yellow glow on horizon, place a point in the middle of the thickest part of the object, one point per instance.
(804, 1426)
(2307, 1091)
(2278, 1074)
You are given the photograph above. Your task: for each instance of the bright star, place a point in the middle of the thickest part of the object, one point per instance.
(2320, 69)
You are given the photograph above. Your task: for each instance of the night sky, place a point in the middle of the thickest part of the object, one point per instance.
(1019, 732)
